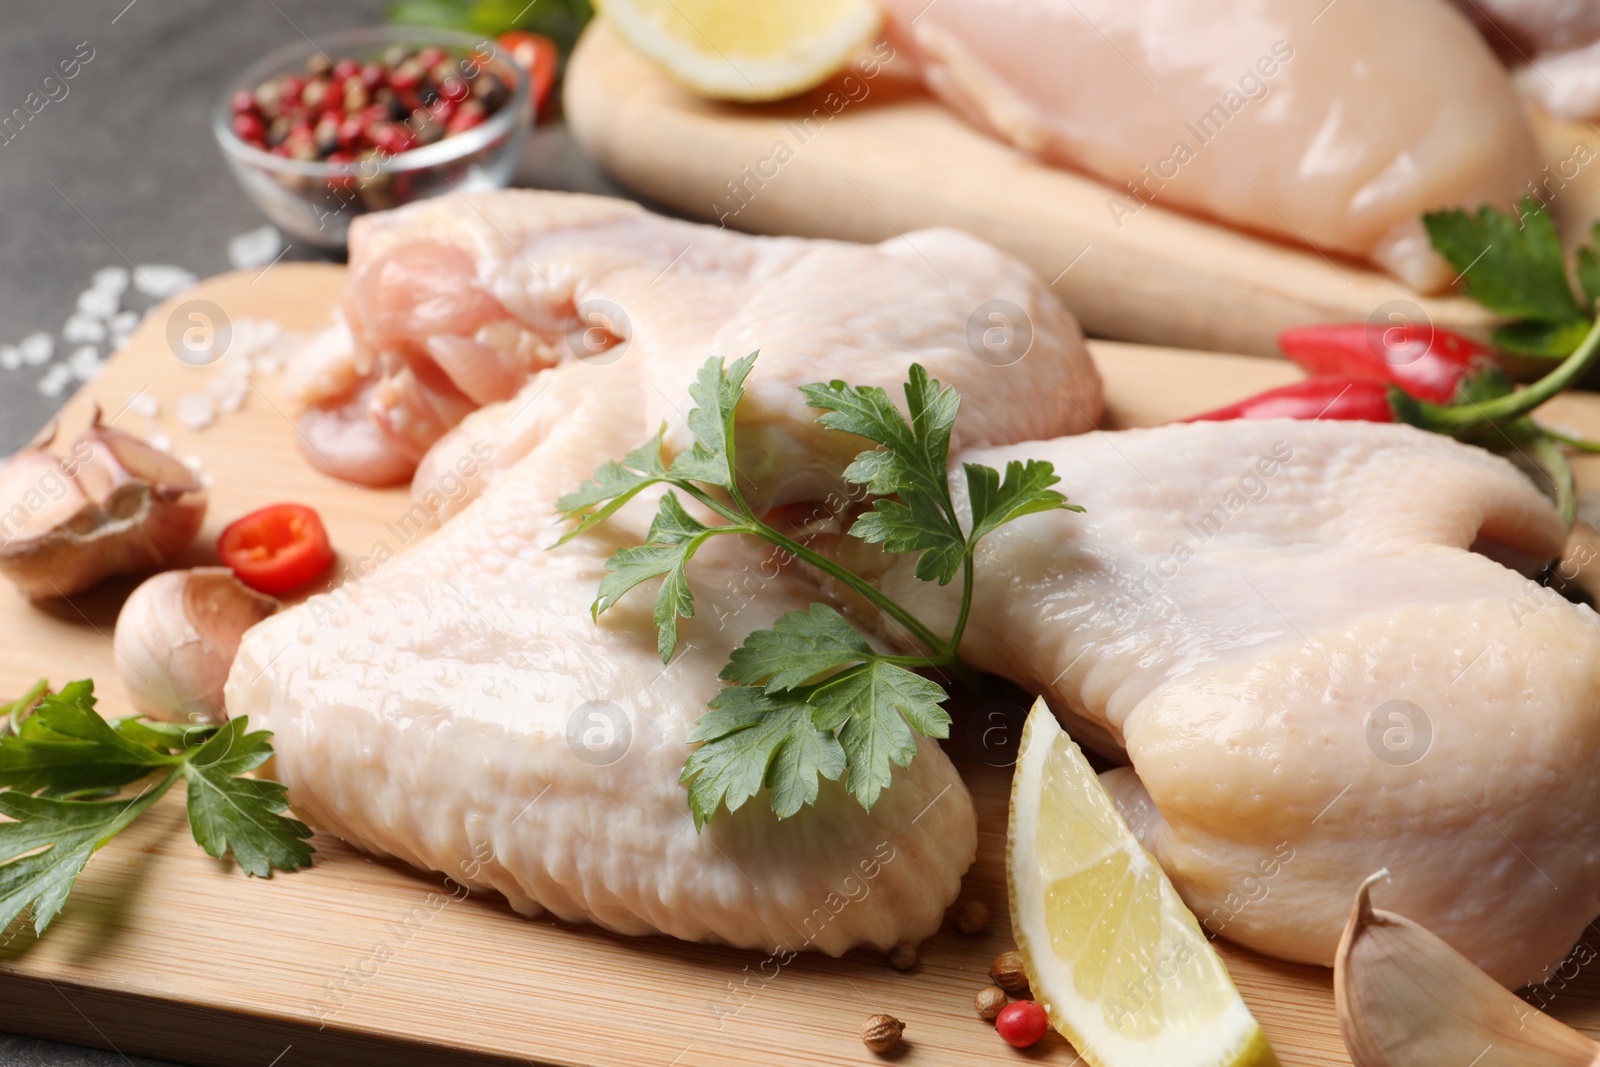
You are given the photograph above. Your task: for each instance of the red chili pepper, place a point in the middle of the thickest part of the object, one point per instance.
(276, 549)
(539, 56)
(1335, 399)
(1022, 1023)
(1425, 361)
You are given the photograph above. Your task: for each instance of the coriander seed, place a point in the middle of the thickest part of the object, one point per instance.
(972, 917)
(1007, 972)
(989, 1000)
(880, 1033)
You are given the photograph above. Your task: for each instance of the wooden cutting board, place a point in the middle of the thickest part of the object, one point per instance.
(162, 951)
(877, 158)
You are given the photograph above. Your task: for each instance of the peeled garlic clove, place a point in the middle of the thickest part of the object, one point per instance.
(1407, 999)
(176, 638)
(114, 505)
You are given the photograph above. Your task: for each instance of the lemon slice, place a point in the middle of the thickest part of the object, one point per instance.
(1117, 960)
(746, 49)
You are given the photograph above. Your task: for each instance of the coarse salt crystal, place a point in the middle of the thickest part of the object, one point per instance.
(122, 327)
(85, 362)
(195, 410)
(111, 280)
(159, 280)
(142, 403)
(255, 248)
(83, 329)
(157, 439)
(37, 348)
(10, 357)
(268, 365)
(194, 463)
(55, 380)
(231, 396)
(97, 302)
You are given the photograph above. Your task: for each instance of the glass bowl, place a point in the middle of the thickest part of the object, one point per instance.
(315, 200)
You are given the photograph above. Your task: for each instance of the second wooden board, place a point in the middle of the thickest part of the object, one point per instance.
(163, 951)
(881, 159)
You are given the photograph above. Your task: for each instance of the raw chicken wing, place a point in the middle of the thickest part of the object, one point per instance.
(1283, 626)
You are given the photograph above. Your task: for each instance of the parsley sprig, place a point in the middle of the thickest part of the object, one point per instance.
(811, 697)
(1514, 266)
(64, 773)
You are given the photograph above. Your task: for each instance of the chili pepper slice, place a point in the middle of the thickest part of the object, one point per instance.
(1425, 361)
(1335, 399)
(539, 56)
(277, 549)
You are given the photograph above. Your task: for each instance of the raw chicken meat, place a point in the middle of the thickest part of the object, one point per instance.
(1565, 83)
(461, 710)
(1334, 125)
(1284, 628)
(1538, 25)
(1554, 48)
(455, 303)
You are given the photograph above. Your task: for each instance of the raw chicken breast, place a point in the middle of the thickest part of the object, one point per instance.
(457, 302)
(1282, 625)
(461, 710)
(1334, 125)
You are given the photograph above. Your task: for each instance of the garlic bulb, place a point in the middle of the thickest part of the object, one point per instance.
(1407, 999)
(176, 638)
(113, 505)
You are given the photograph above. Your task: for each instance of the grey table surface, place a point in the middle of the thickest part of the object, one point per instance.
(122, 170)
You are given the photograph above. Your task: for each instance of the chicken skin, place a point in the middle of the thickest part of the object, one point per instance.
(456, 303)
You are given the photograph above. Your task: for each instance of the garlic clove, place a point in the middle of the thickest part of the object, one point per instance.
(1407, 999)
(38, 495)
(176, 638)
(114, 505)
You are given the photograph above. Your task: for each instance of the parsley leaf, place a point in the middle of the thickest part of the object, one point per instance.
(629, 567)
(1530, 338)
(717, 393)
(613, 485)
(919, 526)
(1515, 268)
(674, 537)
(867, 710)
(878, 705)
(912, 463)
(69, 832)
(1589, 267)
(674, 525)
(64, 750)
(750, 740)
(800, 646)
(1025, 491)
(228, 811)
(918, 452)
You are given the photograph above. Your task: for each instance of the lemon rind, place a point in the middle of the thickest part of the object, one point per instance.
(747, 78)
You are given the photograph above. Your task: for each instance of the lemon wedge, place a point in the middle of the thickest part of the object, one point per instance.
(1116, 959)
(746, 49)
